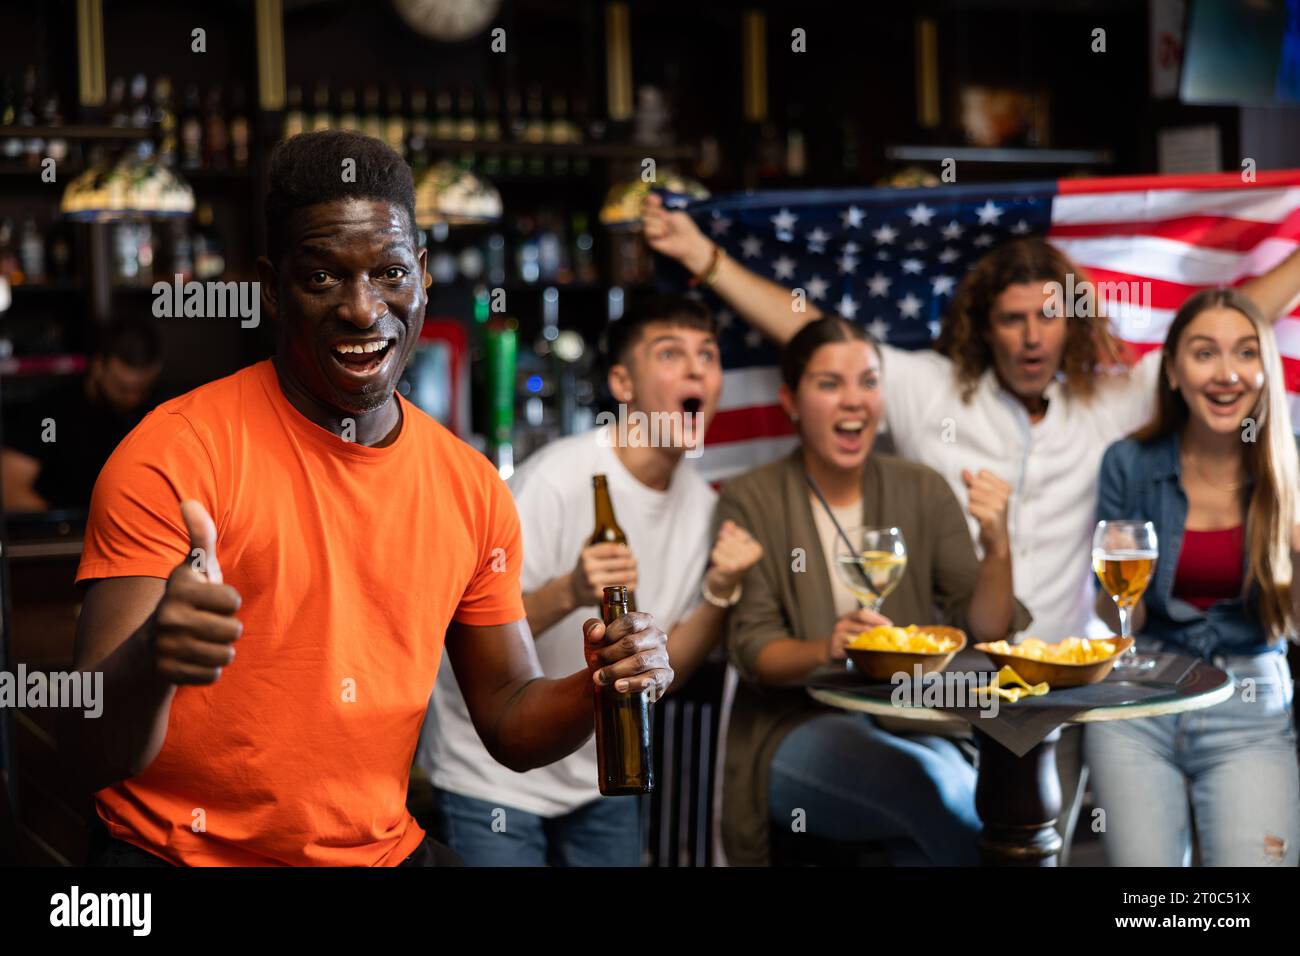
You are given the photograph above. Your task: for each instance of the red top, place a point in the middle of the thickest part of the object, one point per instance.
(1209, 566)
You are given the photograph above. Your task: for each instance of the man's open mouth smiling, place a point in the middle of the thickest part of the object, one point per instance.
(362, 357)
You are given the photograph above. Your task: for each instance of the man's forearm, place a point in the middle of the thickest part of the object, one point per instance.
(762, 303)
(549, 604)
(690, 642)
(992, 606)
(130, 731)
(1276, 289)
(546, 721)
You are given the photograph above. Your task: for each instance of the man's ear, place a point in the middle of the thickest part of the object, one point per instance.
(620, 384)
(268, 279)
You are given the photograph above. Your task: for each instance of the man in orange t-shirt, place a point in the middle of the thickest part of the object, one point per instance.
(304, 513)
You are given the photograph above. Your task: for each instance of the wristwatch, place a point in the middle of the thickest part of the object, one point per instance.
(717, 601)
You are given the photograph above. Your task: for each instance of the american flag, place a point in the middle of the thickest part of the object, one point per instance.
(892, 258)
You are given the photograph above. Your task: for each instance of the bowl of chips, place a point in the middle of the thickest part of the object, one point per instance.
(883, 651)
(1072, 662)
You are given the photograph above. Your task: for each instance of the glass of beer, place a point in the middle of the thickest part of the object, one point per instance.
(1124, 556)
(874, 564)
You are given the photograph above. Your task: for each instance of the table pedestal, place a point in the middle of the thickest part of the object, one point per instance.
(1018, 799)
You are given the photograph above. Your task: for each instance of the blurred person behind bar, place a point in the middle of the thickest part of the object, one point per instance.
(56, 445)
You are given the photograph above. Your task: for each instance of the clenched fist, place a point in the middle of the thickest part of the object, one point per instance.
(734, 552)
(193, 629)
(601, 566)
(989, 500)
(673, 233)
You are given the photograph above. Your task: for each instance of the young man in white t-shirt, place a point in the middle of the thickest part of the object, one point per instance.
(663, 358)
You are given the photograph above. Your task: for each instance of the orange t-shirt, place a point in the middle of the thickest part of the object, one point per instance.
(351, 562)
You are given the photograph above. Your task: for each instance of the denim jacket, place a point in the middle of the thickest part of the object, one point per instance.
(1143, 482)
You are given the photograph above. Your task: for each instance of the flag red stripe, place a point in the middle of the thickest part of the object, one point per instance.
(1114, 184)
(742, 424)
(1210, 232)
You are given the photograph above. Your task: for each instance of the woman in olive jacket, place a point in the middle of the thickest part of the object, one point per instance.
(790, 761)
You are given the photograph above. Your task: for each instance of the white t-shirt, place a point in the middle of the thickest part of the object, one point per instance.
(668, 532)
(1051, 465)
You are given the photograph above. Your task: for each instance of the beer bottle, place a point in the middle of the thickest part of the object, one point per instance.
(607, 529)
(623, 723)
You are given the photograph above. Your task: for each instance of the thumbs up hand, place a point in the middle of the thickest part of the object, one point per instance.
(193, 630)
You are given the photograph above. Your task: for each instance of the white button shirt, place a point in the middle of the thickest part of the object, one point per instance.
(1051, 465)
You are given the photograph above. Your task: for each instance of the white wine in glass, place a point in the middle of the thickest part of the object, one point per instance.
(874, 565)
(1124, 557)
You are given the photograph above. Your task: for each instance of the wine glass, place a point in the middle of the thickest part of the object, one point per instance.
(1124, 556)
(871, 563)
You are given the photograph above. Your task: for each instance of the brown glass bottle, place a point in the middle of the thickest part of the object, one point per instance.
(623, 724)
(607, 530)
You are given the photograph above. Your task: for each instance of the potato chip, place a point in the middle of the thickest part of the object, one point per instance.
(1072, 650)
(909, 640)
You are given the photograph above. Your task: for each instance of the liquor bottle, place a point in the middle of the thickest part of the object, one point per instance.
(466, 121)
(240, 130)
(58, 251)
(584, 258)
(514, 128)
(31, 252)
(348, 117)
(141, 113)
(8, 106)
(52, 115)
(395, 122)
(216, 135)
(444, 122)
(623, 723)
(796, 153)
(607, 530)
(11, 269)
(372, 123)
(490, 132)
(117, 111)
(33, 146)
(192, 129)
(12, 146)
(320, 103)
(295, 120)
(209, 253)
(163, 119)
(419, 130)
(182, 250)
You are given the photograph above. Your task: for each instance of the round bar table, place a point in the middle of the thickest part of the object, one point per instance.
(1019, 798)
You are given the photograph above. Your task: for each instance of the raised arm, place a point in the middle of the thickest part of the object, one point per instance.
(767, 306)
(1276, 291)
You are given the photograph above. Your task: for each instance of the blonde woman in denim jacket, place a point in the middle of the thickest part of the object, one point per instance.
(1216, 473)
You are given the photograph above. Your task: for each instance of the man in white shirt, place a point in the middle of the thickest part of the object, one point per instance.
(663, 357)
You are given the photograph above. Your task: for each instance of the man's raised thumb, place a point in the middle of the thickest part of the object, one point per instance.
(203, 540)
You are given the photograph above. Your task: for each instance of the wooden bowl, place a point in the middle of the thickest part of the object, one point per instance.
(883, 665)
(1055, 674)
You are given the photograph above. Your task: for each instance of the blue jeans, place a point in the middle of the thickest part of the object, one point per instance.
(604, 832)
(857, 782)
(1231, 767)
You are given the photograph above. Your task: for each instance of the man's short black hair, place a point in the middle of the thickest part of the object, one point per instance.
(133, 341)
(624, 333)
(309, 168)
